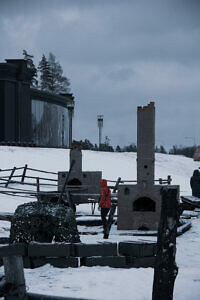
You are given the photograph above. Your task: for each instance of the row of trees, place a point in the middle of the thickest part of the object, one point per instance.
(48, 76)
(177, 150)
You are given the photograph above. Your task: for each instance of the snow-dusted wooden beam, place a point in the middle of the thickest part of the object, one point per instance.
(166, 270)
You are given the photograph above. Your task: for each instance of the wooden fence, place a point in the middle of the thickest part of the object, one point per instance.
(12, 176)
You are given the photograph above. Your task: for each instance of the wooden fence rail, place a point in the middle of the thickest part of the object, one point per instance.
(31, 169)
(25, 176)
(6, 170)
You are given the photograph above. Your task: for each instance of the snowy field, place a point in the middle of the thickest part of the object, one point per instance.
(106, 282)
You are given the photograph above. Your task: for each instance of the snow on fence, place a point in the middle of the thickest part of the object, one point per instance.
(39, 181)
(9, 176)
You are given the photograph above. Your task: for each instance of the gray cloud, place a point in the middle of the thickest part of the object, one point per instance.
(117, 54)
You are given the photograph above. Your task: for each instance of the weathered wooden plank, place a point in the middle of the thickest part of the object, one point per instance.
(140, 262)
(99, 249)
(6, 216)
(4, 240)
(166, 270)
(38, 184)
(24, 173)
(49, 249)
(14, 277)
(13, 249)
(137, 249)
(111, 261)
(63, 262)
(112, 211)
(65, 190)
(9, 179)
(58, 262)
(43, 171)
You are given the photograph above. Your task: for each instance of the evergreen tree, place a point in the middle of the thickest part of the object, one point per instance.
(32, 67)
(106, 145)
(118, 149)
(44, 69)
(162, 149)
(187, 151)
(87, 145)
(130, 148)
(96, 147)
(57, 82)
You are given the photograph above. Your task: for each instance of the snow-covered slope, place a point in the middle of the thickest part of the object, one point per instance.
(113, 165)
(104, 282)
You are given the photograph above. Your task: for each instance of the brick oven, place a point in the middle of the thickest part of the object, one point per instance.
(139, 205)
(89, 180)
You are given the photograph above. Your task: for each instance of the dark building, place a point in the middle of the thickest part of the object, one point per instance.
(30, 115)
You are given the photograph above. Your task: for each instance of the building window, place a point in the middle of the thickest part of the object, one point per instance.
(50, 124)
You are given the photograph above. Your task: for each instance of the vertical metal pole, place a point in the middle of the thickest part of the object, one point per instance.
(70, 111)
(63, 129)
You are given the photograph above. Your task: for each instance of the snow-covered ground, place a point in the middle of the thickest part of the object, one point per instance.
(105, 282)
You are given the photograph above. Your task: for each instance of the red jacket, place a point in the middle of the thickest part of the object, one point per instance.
(105, 200)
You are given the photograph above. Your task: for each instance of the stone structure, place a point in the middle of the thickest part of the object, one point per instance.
(30, 115)
(139, 205)
(90, 180)
(43, 222)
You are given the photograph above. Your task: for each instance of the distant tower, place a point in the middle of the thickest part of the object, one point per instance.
(100, 125)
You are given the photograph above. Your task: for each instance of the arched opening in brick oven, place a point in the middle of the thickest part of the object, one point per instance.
(74, 181)
(144, 204)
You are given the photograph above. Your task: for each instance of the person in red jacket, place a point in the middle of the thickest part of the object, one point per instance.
(104, 203)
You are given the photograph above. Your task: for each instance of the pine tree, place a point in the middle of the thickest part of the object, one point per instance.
(32, 67)
(130, 148)
(118, 149)
(44, 69)
(96, 147)
(87, 145)
(57, 82)
(162, 149)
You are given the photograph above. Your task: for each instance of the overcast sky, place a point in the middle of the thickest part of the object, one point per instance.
(118, 55)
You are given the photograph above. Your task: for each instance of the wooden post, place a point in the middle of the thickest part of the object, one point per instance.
(65, 190)
(169, 179)
(38, 184)
(166, 270)
(14, 276)
(9, 179)
(24, 173)
(112, 211)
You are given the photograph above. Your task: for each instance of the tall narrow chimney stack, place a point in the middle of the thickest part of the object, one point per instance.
(145, 145)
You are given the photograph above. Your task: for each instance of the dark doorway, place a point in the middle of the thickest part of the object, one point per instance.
(144, 204)
(74, 181)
